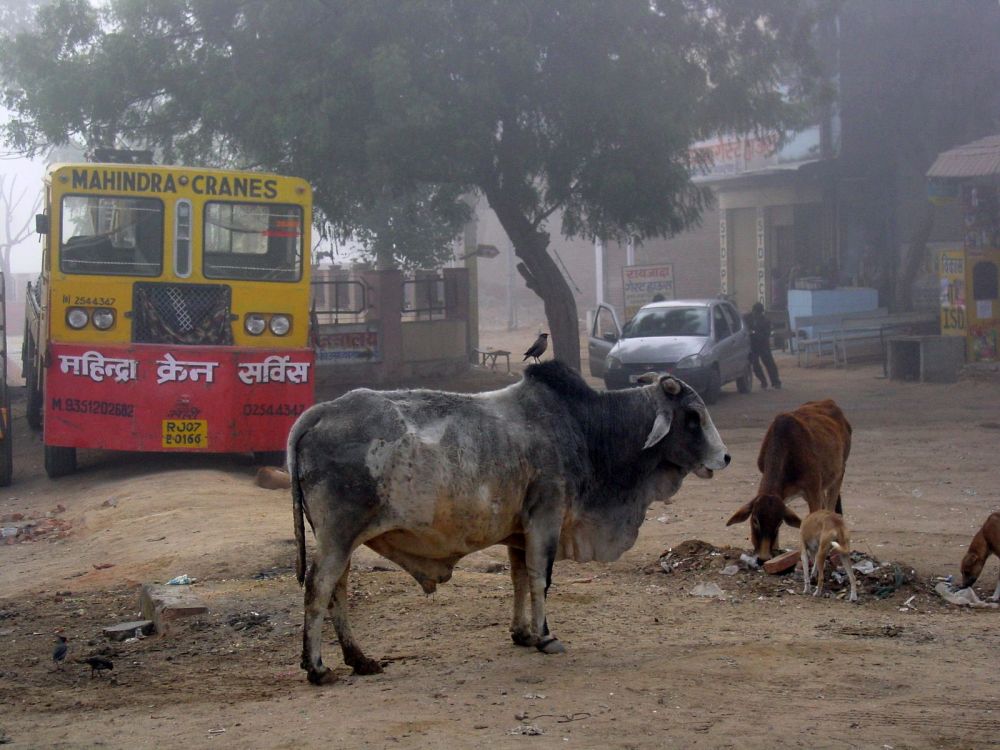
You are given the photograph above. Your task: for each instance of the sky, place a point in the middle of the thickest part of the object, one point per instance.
(27, 256)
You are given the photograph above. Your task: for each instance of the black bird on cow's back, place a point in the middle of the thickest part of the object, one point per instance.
(98, 664)
(60, 650)
(537, 349)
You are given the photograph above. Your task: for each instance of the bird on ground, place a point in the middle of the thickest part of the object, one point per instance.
(98, 664)
(60, 651)
(537, 349)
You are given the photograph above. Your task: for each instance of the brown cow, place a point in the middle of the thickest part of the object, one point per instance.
(272, 478)
(804, 453)
(985, 542)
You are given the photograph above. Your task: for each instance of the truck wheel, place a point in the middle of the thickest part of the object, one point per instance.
(269, 458)
(33, 411)
(59, 461)
(714, 387)
(7, 449)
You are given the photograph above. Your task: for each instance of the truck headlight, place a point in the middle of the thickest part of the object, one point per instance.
(255, 324)
(280, 324)
(104, 318)
(77, 318)
(613, 363)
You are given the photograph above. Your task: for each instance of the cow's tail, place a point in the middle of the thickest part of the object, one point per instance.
(301, 426)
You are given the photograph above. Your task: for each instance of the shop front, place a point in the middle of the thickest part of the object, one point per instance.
(970, 304)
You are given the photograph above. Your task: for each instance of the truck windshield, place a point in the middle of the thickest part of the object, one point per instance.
(253, 241)
(122, 236)
(668, 321)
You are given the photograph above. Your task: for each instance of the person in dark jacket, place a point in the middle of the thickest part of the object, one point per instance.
(760, 346)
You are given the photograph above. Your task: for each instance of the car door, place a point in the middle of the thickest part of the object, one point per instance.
(739, 346)
(603, 335)
(722, 344)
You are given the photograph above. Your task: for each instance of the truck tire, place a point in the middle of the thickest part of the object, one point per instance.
(59, 461)
(7, 448)
(33, 410)
(269, 458)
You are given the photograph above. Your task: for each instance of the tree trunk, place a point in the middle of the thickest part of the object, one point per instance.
(543, 277)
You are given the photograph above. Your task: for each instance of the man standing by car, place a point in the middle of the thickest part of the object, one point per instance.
(760, 346)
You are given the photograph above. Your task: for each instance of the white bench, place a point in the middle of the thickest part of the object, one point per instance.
(819, 334)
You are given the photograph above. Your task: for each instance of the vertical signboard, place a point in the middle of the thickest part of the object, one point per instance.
(644, 283)
(761, 259)
(952, 279)
(723, 254)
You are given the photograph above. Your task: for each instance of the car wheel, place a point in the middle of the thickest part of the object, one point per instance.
(711, 394)
(744, 383)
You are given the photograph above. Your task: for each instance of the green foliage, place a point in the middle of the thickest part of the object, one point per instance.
(393, 108)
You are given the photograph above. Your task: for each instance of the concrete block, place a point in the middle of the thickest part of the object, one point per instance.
(125, 630)
(782, 563)
(163, 604)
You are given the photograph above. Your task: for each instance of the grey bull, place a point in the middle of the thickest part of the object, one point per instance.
(548, 467)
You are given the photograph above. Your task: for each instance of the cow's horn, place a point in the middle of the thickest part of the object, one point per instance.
(661, 426)
(671, 386)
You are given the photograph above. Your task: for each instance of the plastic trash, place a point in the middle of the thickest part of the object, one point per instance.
(709, 590)
(730, 570)
(865, 567)
(748, 560)
(181, 580)
(962, 597)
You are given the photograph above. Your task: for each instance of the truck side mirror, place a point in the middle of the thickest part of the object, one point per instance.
(611, 337)
(41, 224)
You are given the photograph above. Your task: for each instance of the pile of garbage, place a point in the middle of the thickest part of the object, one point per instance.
(878, 579)
(15, 528)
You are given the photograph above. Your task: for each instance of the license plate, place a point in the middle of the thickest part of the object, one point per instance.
(185, 433)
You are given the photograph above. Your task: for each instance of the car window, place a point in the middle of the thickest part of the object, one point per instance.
(735, 324)
(668, 321)
(722, 329)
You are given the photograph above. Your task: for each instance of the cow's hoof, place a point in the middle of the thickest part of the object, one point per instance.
(321, 676)
(523, 638)
(551, 645)
(364, 665)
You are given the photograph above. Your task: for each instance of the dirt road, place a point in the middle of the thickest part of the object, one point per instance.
(648, 664)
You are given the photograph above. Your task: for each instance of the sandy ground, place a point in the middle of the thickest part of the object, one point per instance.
(648, 664)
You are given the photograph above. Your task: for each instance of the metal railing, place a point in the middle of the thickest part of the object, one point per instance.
(427, 298)
(338, 301)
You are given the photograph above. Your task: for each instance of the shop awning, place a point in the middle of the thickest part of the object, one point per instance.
(977, 159)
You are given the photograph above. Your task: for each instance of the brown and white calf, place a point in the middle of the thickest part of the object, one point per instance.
(804, 453)
(984, 543)
(822, 531)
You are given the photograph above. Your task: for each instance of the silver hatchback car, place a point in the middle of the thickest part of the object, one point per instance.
(704, 342)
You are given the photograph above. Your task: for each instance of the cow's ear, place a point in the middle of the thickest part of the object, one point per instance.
(647, 378)
(742, 514)
(791, 519)
(671, 386)
(661, 426)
